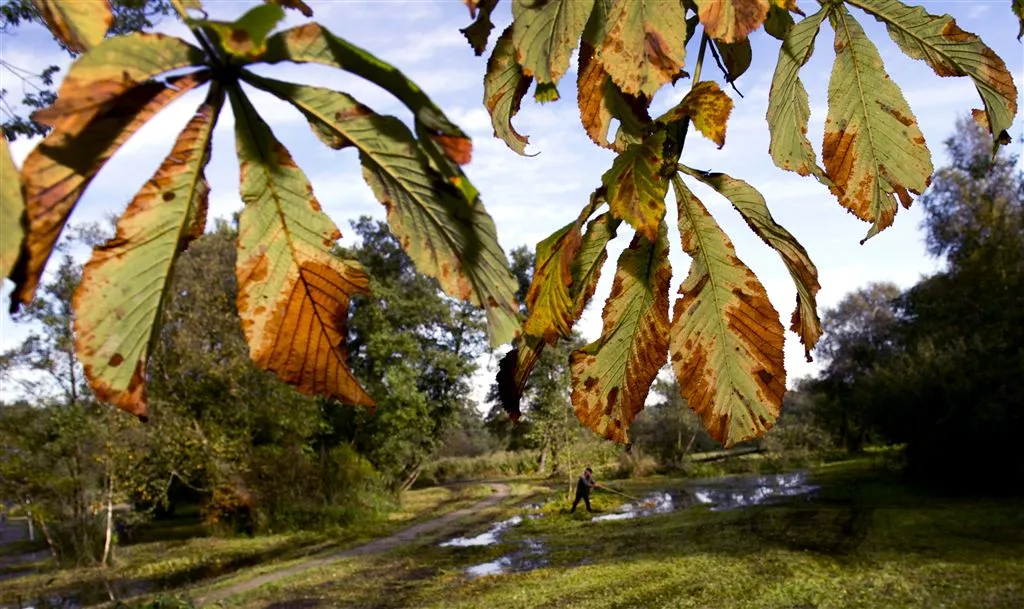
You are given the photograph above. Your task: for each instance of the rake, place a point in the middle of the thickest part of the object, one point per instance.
(643, 503)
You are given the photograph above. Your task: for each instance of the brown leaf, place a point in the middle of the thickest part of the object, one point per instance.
(612, 376)
(708, 107)
(600, 101)
(645, 46)
(79, 24)
(732, 20)
(298, 5)
(58, 170)
(636, 186)
(981, 117)
(124, 285)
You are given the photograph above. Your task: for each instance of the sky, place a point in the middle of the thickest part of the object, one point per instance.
(530, 197)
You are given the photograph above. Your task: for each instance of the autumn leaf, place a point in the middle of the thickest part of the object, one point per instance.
(505, 85)
(545, 34)
(312, 43)
(751, 205)
(874, 151)
(731, 20)
(293, 294)
(612, 376)
(590, 259)
(57, 171)
(80, 25)
(545, 93)
(12, 207)
(951, 51)
(645, 46)
(246, 36)
(726, 339)
(778, 23)
(636, 187)
(708, 107)
(125, 284)
(548, 300)
(787, 5)
(479, 31)
(788, 105)
(600, 101)
(447, 236)
(736, 58)
(1018, 10)
(110, 69)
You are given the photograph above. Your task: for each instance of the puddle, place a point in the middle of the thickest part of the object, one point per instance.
(488, 538)
(720, 494)
(743, 491)
(530, 557)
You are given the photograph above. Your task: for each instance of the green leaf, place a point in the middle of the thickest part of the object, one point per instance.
(246, 36)
(293, 294)
(590, 259)
(751, 205)
(788, 106)
(731, 20)
(612, 376)
(79, 24)
(479, 31)
(125, 284)
(548, 300)
(874, 151)
(546, 92)
(504, 88)
(636, 187)
(57, 171)
(645, 46)
(726, 339)
(12, 207)
(778, 23)
(448, 237)
(110, 69)
(736, 57)
(312, 43)
(708, 107)
(951, 51)
(545, 34)
(1018, 10)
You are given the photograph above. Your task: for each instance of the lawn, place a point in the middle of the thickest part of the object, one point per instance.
(863, 540)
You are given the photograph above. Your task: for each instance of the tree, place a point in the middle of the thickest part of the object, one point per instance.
(731, 374)
(415, 349)
(860, 334)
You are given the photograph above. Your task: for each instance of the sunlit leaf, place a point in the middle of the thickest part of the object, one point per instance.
(57, 171)
(247, 36)
(645, 46)
(590, 259)
(125, 284)
(612, 376)
(726, 339)
(636, 186)
(545, 34)
(873, 150)
(751, 205)
(505, 85)
(731, 20)
(447, 236)
(951, 51)
(12, 206)
(479, 31)
(313, 43)
(736, 57)
(708, 107)
(293, 294)
(79, 24)
(545, 92)
(548, 301)
(787, 5)
(788, 106)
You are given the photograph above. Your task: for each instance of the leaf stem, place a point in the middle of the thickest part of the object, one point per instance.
(679, 137)
(211, 53)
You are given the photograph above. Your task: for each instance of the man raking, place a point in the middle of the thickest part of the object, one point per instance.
(583, 486)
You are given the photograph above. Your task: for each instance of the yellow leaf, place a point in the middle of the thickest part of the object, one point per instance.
(645, 45)
(708, 107)
(636, 186)
(79, 24)
(12, 207)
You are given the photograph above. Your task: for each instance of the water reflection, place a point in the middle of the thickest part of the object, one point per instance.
(488, 538)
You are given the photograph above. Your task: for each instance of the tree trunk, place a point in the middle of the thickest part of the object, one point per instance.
(411, 479)
(110, 521)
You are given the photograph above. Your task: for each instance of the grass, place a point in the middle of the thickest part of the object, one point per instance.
(866, 540)
(179, 550)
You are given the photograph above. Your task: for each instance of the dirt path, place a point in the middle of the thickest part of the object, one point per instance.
(500, 491)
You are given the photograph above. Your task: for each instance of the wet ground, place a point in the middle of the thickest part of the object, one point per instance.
(719, 494)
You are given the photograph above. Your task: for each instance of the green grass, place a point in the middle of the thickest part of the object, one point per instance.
(865, 541)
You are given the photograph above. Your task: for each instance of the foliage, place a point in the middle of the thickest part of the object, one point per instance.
(294, 293)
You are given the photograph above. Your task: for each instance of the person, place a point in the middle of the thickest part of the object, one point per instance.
(583, 486)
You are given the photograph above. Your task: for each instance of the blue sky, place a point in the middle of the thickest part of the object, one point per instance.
(531, 197)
